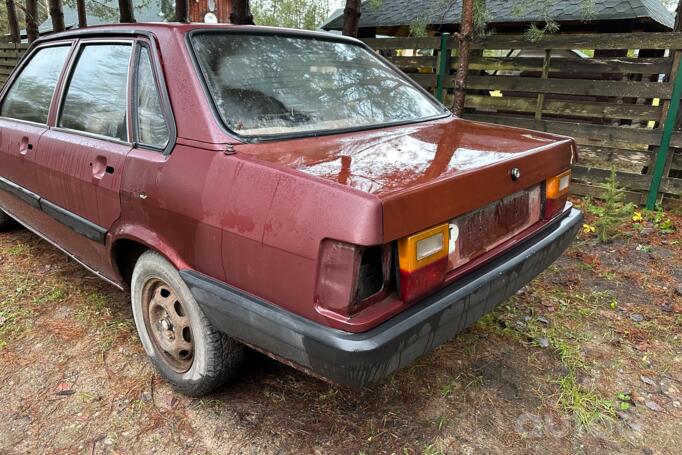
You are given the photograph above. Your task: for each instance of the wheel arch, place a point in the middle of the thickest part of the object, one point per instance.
(128, 244)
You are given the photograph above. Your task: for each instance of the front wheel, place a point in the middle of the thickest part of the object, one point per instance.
(185, 348)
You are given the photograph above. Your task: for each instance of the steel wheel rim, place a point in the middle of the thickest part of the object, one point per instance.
(168, 325)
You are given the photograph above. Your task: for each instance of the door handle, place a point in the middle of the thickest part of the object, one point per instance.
(99, 167)
(24, 146)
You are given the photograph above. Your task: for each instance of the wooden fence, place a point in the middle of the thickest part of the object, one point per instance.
(611, 92)
(9, 56)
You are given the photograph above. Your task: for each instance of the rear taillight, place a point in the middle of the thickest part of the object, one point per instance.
(337, 276)
(351, 277)
(556, 193)
(423, 261)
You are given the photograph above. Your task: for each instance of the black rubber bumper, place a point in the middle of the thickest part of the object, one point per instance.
(359, 359)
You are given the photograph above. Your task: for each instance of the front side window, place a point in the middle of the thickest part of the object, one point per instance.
(276, 84)
(97, 93)
(30, 95)
(151, 125)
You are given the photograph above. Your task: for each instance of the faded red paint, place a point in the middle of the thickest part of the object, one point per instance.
(256, 218)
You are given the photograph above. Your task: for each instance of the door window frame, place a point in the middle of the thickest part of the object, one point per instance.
(66, 80)
(162, 93)
(25, 60)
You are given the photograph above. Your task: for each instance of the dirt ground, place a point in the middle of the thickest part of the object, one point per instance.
(586, 359)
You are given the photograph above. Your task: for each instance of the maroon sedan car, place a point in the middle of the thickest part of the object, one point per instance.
(285, 190)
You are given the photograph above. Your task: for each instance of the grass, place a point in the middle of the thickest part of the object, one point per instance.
(434, 448)
(17, 249)
(16, 292)
(565, 334)
(586, 405)
(11, 323)
(113, 326)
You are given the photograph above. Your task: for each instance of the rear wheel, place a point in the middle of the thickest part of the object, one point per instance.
(6, 222)
(182, 344)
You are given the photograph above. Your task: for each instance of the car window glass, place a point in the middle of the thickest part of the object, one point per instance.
(96, 97)
(151, 125)
(270, 84)
(31, 93)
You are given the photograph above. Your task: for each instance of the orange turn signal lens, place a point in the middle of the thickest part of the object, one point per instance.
(558, 186)
(421, 249)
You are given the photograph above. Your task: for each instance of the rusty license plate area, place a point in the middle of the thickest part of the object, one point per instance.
(480, 231)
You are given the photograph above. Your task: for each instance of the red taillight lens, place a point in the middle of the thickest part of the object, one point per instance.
(420, 282)
(556, 193)
(423, 262)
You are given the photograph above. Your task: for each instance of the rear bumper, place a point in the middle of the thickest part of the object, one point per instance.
(359, 359)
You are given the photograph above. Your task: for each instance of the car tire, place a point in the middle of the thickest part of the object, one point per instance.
(191, 354)
(6, 222)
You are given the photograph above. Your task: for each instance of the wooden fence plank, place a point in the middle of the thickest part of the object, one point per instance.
(572, 66)
(9, 54)
(671, 186)
(638, 112)
(630, 180)
(662, 40)
(584, 189)
(614, 153)
(425, 80)
(570, 86)
(677, 161)
(613, 65)
(13, 46)
(612, 134)
(671, 203)
(413, 62)
(403, 43)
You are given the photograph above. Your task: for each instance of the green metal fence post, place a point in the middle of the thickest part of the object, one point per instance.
(663, 150)
(442, 66)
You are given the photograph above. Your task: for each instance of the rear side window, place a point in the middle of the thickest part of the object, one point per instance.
(151, 125)
(31, 93)
(97, 93)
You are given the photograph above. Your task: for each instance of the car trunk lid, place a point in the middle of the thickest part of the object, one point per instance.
(431, 172)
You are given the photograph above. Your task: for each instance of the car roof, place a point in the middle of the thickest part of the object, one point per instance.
(143, 28)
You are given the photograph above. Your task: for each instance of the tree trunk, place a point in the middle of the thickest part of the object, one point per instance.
(82, 16)
(182, 11)
(31, 23)
(241, 13)
(126, 9)
(351, 18)
(57, 15)
(465, 36)
(12, 21)
(678, 26)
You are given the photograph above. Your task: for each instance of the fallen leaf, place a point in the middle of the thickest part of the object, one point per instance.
(64, 389)
(653, 406)
(647, 380)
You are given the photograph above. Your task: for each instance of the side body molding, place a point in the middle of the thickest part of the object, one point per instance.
(75, 222)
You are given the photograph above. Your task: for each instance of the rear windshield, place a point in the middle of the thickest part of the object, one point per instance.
(276, 85)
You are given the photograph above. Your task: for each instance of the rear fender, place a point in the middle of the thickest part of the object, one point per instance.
(146, 237)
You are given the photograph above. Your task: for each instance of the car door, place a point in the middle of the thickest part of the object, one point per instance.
(24, 113)
(82, 157)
